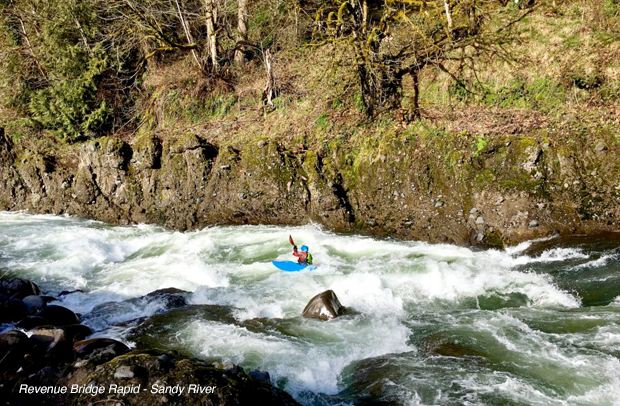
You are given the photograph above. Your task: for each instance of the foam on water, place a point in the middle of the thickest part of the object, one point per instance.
(312, 361)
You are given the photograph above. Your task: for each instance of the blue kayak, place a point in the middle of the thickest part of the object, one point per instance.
(290, 266)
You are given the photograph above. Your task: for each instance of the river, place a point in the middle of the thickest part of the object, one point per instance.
(534, 324)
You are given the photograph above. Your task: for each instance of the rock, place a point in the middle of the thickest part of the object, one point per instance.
(480, 220)
(18, 288)
(437, 344)
(13, 310)
(260, 375)
(160, 301)
(58, 315)
(34, 303)
(68, 292)
(28, 323)
(212, 386)
(534, 223)
(600, 146)
(77, 332)
(324, 306)
(99, 350)
(52, 344)
(147, 151)
(229, 367)
(172, 297)
(12, 338)
(164, 362)
(473, 210)
(124, 371)
(13, 346)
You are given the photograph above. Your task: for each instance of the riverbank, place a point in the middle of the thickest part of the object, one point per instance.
(418, 183)
(51, 359)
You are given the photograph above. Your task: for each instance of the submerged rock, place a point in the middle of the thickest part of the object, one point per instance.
(159, 301)
(446, 346)
(324, 306)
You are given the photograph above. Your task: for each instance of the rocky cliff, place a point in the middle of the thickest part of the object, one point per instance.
(438, 188)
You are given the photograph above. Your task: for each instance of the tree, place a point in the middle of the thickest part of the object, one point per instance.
(242, 31)
(211, 22)
(61, 64)
(393, 39)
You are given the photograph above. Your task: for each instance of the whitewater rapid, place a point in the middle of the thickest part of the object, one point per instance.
(533, 323)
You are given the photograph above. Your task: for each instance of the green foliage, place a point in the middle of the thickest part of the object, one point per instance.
(611, 8)
(479, 145)
(55, 73)
(322, 122)
(359, 102)
(69, 107)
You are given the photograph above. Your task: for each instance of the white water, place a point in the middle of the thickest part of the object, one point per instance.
(405, 292)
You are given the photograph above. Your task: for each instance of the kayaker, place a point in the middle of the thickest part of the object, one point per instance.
(303, 256)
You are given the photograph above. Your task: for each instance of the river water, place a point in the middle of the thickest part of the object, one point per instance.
(535, 324)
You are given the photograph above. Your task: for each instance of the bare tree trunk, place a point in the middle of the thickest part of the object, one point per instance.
(188, 35)
(79, 26)
(269, 91)
(242, 31)
(416, 94)
(211, 20)
(446, 4)
(364, 15)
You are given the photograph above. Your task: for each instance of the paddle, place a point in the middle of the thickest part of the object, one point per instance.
(290, 239)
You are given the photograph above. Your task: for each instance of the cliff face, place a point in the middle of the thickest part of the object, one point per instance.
(438, 189)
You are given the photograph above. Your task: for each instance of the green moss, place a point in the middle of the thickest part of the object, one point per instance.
(484, 177)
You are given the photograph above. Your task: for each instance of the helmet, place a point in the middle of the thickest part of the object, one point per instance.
(304, 248)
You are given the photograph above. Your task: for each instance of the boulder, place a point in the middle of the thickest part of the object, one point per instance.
(324, 306)
(260, 375)
(171, 297)
(13, 310)
(77, 332)
(57, 343)
(99, 350)
(35, 303)
(28, 323)
(13, 346)
(52, 344)
(18, 288)
(58, 316)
